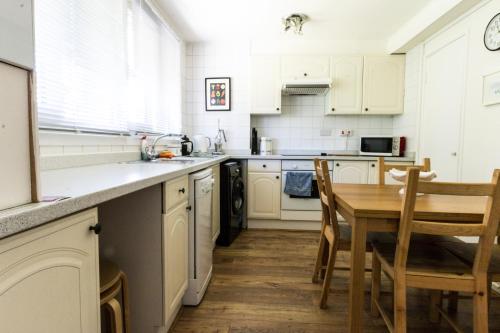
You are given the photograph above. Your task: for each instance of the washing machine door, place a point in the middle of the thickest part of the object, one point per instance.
(237, 197)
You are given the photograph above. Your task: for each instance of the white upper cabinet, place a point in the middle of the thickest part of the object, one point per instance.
(265, 85)
(383, 84)
(305, 67)
(16, 33)
(346, 96)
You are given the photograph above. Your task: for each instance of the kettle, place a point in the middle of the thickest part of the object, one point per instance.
(201, 144)
(185, 151)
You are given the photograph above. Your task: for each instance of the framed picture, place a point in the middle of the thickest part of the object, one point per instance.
(218, 94)
(491, 89)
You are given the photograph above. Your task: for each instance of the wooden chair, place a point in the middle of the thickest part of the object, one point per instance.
(334, 236)
(113, 282)
(383, 168)
(430, 266)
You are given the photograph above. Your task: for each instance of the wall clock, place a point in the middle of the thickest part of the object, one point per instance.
(492, 34)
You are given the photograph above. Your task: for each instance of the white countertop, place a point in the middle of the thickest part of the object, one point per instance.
(89, 186)
(339, 157)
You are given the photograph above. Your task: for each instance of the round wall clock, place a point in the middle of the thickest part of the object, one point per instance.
(492, 34)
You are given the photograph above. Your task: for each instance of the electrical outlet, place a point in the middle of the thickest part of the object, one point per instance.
(345, 132)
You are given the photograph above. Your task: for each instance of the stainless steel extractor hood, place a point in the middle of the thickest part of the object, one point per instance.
(306, 87)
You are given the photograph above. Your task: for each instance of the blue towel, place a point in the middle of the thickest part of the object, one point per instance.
(299, 183)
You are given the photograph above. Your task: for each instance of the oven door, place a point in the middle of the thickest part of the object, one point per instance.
(290, 202)
(376, 146)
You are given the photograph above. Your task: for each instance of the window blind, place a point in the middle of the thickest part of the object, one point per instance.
(81, 64)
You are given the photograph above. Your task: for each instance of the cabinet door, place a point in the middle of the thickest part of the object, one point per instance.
(350, 172)
(14, 137)
(346, 96)
(265, 85)
(216, 203)
(383, 84)
(175, 237)
(16, 33)
(264, 193)
(49, 278)
(305, 67)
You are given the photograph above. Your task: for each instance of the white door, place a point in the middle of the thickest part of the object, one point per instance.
(175, 228)
(14, 137)
(49, 280)
(346, 96)
(383, 84)
(305, 67)
(350, 172)
(265, 85)
(264, 193)
(216, 203)
(443, 95)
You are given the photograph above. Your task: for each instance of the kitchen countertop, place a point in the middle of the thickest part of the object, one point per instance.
(89, 186)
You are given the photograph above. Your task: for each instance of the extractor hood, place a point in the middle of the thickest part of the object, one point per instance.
(306, 87)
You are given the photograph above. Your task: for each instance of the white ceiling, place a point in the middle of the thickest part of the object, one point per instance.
(212, 20)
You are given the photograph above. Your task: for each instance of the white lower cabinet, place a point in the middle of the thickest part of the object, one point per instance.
(175, 253)
(49, 278)
(350, 172)
(216, 203)
(264, 195)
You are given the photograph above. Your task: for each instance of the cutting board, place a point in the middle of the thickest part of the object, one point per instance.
(15, 158)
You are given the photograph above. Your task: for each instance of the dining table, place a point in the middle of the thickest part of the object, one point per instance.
(377, 208)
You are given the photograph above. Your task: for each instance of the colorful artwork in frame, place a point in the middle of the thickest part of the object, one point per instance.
(218, 94)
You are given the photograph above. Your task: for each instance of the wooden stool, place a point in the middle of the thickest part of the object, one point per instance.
(112, 282)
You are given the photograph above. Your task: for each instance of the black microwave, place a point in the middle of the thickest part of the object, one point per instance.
(383, 145)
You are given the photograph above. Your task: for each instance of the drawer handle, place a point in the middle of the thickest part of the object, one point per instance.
(263, 165)
(182, 190)
(96, 228)
(366, 109)
(277, 109)
(188, 208)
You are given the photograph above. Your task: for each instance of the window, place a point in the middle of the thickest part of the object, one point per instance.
(110, 66)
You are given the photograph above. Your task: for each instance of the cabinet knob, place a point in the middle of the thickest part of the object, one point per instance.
(373, 165)
(337, 164)
(454, 154)
(188, 208)
(263, 165)
(305, 74)
(182, 190)
(277, 177)
(277, 109)
(333, 109)
(96, 228)
(366, 109)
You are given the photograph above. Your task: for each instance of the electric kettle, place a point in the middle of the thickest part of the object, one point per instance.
(201, 144)
(185, 143)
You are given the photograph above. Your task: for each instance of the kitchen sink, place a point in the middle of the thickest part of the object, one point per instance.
(181, 160)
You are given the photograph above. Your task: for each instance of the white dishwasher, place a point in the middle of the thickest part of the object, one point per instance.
(200, 235)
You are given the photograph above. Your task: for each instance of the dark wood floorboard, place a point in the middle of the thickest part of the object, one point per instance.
(262, 284)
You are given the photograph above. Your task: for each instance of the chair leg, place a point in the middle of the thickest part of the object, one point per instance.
(126, 303)
(435, 302)
(399, 305)
(319, 258)
(328, 276)
(480, 308)
(115, 311)
(376, 281)
(453, 301)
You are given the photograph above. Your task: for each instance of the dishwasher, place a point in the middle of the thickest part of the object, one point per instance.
(200, 235)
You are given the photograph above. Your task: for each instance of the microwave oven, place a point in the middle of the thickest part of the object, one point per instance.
(382, 145)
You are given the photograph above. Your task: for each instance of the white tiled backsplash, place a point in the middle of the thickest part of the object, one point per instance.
(303, 125)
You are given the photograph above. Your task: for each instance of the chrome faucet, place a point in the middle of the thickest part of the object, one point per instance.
(150, 150)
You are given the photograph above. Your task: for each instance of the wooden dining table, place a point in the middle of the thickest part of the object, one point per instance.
(376, 208)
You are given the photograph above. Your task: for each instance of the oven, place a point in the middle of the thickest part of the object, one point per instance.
(295, 203)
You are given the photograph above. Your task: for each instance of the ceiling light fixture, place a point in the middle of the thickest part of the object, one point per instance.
(295, 22)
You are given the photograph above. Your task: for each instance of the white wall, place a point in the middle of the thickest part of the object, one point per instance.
(302, 125)
(480, 136)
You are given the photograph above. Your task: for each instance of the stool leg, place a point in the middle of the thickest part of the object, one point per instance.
(126, 303)
(116, 315)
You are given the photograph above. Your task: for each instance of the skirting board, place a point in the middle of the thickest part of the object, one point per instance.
(284, 224)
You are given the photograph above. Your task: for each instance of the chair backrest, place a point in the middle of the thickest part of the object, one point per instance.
(486, 229)
(326, 195)
(383, 168)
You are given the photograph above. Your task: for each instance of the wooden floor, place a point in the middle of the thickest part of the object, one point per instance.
(262, 284)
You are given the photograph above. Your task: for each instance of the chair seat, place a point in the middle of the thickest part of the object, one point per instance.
(372, 237)
(423, 258)
(467, 252)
